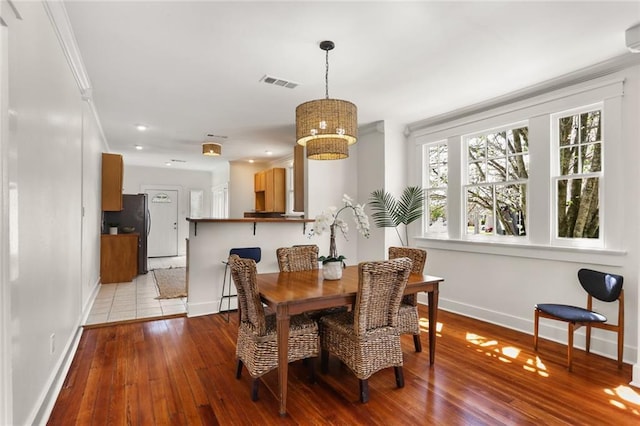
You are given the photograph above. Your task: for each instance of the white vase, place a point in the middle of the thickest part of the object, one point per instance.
(113, 230)
(332, 270)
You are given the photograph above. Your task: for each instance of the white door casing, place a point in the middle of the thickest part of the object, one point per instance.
(163, 233)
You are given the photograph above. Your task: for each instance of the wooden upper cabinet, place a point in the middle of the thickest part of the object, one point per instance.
(259, 181)
(272, 196)
(112, 173)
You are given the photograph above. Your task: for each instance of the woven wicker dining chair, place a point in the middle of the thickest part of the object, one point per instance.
(297, 258)
(367, 339)
(257, 345)
(303, 258)
(408, 318)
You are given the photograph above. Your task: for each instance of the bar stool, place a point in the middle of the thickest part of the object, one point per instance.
(244, 253)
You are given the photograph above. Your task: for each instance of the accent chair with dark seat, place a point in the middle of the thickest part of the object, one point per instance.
(600, 285)
(367, 338)
(257, 344)
(408, 318)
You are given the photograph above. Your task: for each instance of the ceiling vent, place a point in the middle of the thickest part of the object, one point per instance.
(279, 82)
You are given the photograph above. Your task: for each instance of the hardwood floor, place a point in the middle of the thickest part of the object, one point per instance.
(181, 371)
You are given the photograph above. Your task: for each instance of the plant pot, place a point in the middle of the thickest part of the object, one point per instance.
(332, 270)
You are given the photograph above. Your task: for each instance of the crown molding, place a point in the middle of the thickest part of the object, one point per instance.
(583, 75)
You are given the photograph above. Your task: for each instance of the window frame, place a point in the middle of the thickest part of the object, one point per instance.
(429, 189)
(464, 140)
(555, 177)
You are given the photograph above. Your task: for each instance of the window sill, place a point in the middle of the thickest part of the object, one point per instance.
(599, 256)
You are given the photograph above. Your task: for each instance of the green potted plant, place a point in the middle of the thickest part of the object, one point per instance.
(390, 212)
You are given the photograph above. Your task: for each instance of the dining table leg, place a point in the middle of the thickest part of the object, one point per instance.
(283, 321)
(433, 322)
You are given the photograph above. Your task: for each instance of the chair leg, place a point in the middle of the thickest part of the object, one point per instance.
(324, 361)
(620, 347)
(536, 317)
(254, 388)
(570, 346)
(364, 390)
(239, 369)
(399, 376)
(417, 343)
(587, 345)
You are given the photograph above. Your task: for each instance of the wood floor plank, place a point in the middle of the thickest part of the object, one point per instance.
(181, 371)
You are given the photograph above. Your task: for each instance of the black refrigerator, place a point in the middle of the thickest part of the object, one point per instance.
(135, 213)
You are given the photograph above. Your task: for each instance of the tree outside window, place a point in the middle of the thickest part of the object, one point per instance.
(580, 170)
(497, 176)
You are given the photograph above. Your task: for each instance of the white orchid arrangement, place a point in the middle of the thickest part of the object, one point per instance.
(330, 220)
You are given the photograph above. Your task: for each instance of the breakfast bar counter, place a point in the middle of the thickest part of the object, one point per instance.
(208, 248)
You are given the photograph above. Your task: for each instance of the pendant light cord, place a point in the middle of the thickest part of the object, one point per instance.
(326, 76)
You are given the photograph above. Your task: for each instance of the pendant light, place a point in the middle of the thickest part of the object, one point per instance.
(327, 126)
(212, 149)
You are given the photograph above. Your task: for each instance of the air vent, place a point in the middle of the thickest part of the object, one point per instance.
(279, 82)
(178, 161)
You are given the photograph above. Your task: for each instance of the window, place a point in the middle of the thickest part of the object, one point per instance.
(435, 184)
(497, 176)
(579, 171)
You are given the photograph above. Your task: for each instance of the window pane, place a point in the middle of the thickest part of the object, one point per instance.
(578, 208)
(444, 155)
(518, 167)
(590, 157)
(511, 209)
(590, 127)
(480, 210)
(519, 140)
(496, 144)
(477, 172)
(568, 161)
(476, 148)
(437, 208)
(497, 170)
(568, 130)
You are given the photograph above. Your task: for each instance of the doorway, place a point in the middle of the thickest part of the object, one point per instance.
(162, 240)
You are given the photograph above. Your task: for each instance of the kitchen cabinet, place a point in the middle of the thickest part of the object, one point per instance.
(118, 257)
(112, 174)
(272, 196)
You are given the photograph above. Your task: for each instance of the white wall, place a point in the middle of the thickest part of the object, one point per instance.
(136, 178)
(44, 187)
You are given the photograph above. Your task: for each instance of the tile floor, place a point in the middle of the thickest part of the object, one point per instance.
(137, 299)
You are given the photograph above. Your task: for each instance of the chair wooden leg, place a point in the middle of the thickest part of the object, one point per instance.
(417, 343)
(570, 346)
(587, 345)
(536, 317)
(620, 347)
(399, 377)
(324, 361)
(239, 369)
(364, 390)
(254, 388)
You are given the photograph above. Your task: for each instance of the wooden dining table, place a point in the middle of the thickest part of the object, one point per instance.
(292, 293)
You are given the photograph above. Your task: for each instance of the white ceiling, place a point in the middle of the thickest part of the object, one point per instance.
(187, 69)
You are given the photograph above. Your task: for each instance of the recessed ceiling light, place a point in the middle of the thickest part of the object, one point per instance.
(139, 147)
(268, 152)
(141, 127)
(251, 161)
(168, 163)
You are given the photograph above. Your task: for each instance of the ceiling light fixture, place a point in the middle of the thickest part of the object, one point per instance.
(141, 127)
(327, 126)
(212, 149)
(139, 147)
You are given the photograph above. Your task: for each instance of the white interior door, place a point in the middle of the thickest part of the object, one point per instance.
(163, 233)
